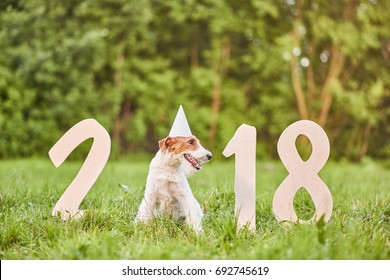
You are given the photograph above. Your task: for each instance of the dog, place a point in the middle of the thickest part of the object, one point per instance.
(167, 190)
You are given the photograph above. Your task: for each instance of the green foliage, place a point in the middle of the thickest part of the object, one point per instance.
(130, 64)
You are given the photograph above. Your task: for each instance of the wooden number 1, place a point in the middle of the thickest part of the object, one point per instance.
(243, 145)
(68, 204)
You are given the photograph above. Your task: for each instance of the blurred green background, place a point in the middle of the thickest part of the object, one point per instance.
(131, 63)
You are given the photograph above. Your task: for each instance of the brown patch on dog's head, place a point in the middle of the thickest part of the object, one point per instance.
(179, 144)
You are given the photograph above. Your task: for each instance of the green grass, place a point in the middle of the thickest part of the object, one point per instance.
(358, 229)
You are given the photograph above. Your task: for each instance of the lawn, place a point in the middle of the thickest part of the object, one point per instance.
(358, 229)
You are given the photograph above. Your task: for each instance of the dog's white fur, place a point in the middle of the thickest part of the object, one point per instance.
(167, 189)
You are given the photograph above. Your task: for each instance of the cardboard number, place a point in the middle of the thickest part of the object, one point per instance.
(303, 174)
(243, 145)
(97, 158)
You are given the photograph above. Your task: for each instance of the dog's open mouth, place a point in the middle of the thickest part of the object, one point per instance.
(193, 161)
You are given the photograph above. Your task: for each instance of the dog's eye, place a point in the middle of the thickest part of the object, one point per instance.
(191, 142)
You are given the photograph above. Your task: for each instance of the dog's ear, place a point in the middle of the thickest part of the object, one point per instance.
(161, 144)
(164, 143)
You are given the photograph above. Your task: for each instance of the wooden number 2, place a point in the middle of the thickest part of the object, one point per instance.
(243, 145)
(97, 158)
(303, 173)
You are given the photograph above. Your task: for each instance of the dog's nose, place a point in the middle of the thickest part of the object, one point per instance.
(209, 156)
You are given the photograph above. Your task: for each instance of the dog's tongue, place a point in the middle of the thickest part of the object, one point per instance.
(193, 161)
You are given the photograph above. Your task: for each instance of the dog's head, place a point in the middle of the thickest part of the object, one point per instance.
(188, 150)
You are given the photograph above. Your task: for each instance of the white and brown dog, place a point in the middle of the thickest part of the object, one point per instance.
(167, 190)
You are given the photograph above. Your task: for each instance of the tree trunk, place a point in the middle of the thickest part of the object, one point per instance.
(295, 77)
(194, 54)
(221, 69)
(299, 95)
(336, 66)
(120, 60)
(311, 83)
(194, 45)
(365, 141)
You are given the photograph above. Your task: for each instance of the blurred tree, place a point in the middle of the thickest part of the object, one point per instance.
(130, 64)
(56, 62)
(227, 59)
(332, 48)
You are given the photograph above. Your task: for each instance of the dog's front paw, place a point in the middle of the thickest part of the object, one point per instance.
(195, 222)
(198, 229)
(143, 218)
(145, 212)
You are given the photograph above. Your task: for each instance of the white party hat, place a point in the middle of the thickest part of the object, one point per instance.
(180, 126)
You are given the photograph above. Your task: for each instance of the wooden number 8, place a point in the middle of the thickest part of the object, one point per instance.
(97, 158)
(303, 173)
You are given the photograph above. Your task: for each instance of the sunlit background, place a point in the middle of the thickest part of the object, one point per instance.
(131, 63)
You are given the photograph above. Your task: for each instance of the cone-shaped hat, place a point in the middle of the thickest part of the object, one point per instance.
(180, 126)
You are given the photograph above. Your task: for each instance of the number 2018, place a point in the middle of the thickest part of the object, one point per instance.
(242, 144)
